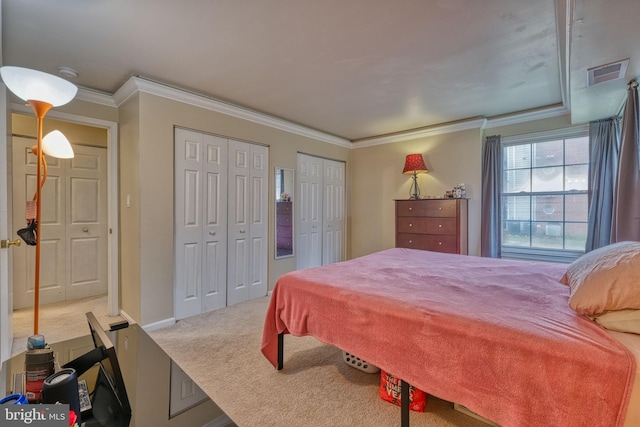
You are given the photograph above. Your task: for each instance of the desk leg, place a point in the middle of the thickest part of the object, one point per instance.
(280, 351)
(404, 400)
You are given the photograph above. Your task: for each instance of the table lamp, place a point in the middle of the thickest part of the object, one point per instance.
(414, 164)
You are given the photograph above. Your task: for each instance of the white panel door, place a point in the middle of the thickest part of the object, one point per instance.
(333, 219)
(200, 223)
(86, 219)
(308, 224)
(247, 222)
(259, 221)
(214, 268)
(320, 195)
(73, 260)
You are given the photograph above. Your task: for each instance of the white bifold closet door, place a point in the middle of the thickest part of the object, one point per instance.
(200, 223)
(247, 242)
(220, 222)
(320, 223)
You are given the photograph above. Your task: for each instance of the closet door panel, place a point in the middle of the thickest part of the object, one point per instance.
(309, 221)
(238, 226)
(200, 223)
(333, 221)
(188, 223)
(259, 221)
(320, 225)
(214, 235)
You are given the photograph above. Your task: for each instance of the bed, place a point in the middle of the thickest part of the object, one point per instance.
(496, 336)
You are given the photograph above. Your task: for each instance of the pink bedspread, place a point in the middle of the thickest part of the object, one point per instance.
(494, 335)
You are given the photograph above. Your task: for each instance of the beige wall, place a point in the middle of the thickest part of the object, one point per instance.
(129, 216)
(146, 139)
(25, 125)
(451, 158)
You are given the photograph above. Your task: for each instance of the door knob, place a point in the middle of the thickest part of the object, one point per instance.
(6, 243)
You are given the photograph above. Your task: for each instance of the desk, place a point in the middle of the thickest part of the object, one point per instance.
(159, 392)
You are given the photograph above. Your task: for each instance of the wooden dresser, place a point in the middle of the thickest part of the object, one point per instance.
(432, 224)
(284, 229)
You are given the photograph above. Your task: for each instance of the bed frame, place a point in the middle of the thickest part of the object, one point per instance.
(404, 387)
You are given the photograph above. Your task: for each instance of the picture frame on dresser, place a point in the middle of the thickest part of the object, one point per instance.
(439, 225)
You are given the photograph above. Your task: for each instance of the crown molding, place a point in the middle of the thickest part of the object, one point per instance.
(95, 97)
(420, 133)
(137, 84)
(529, 116)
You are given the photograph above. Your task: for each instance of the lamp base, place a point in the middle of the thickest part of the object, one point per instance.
(414, 191)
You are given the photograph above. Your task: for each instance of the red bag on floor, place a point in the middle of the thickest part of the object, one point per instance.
(390, 391)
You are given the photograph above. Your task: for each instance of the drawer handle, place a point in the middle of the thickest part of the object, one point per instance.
(439, 225)
(439, 243)
(410, 241)
(410, 225)
(410, 209)
(440, 208)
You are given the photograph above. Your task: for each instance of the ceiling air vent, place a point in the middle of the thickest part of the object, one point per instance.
(604, 73)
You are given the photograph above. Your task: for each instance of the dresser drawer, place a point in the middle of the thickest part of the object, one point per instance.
(428, 242)
(284, 231)
(410, 208)
(283, 208)
(427, 225)
(284, 220)
(441, 208)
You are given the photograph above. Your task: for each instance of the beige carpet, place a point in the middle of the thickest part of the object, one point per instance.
(220, 350)
(59, 321)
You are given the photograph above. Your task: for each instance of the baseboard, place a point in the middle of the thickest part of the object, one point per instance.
(151, 326)
(159, 324)
(222, 421)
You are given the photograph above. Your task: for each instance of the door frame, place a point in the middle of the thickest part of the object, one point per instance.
(113, 226)
(6, 296)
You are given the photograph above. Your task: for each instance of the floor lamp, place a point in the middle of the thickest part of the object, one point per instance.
(42, 92)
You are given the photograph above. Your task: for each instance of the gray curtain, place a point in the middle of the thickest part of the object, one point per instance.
(490, 233)
(626, 198)
(603, 154)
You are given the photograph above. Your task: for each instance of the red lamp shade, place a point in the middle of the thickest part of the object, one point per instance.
(414, 164)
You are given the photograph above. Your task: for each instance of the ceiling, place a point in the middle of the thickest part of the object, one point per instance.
(355, 69)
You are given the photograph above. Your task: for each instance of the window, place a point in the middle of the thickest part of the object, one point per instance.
(545, 195)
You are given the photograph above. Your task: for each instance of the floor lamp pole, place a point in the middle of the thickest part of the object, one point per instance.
(40, 108)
